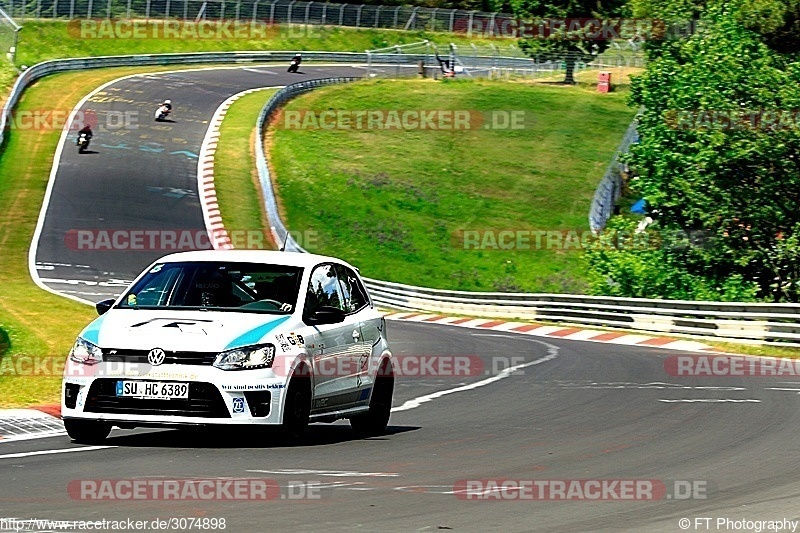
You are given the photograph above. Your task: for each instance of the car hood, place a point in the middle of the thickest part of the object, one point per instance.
(199, 331)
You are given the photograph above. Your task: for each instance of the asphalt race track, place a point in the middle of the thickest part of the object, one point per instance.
(138, 174)
(572, 411)
(589, 412)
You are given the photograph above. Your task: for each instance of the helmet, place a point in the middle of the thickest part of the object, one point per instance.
(167, 101)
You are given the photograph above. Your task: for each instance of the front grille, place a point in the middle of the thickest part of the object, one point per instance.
(204, 401)
(172, 357)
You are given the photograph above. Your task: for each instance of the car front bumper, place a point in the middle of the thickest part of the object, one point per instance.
(215, 397)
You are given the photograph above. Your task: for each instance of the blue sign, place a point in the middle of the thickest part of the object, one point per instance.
(238, 405)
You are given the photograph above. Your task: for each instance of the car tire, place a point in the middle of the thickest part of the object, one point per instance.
(87, 431)
(297, 407)
(374, 422)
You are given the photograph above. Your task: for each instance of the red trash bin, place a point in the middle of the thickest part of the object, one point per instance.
(604, 82)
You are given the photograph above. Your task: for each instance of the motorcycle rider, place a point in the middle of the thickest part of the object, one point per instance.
(164, 109)
(294, 64)
(86, 130)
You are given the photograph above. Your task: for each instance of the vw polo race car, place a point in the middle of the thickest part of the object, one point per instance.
(232, 338)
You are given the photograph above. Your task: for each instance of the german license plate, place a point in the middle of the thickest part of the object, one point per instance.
(153, 390)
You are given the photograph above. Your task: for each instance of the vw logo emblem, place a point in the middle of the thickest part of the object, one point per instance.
(156, 356)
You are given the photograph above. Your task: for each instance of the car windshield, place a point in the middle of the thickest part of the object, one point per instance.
(251, 287)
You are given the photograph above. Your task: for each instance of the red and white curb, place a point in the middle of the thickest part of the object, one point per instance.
(26, 424)
(561, 332)
(220, 239)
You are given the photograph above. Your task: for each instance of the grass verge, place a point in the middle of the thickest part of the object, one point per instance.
(236, 178)
(237, 185)
(403, 205)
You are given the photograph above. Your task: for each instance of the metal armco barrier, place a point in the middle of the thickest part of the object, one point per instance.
(777, 324)
(279, 232)
(610, 187)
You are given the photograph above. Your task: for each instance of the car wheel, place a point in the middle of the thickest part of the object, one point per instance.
(297, 407)
(87, 431)
(374, 422)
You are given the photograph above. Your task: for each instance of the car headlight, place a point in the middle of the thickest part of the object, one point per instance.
(85, 352)
(246, 357)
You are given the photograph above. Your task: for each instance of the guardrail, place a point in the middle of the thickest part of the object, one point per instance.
(774, 324)
(279, 232)
(610, 187)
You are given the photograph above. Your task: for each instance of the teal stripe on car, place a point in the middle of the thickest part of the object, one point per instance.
(92, 331)
(256, 334)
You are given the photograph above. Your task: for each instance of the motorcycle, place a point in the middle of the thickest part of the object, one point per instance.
(293, 65)
(162, 113)
(83, 142)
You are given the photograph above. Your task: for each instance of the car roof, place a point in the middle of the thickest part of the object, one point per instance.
(296, 259)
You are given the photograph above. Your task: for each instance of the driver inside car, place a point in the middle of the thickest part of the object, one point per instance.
(280, 290)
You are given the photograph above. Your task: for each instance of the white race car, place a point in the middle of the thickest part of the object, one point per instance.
(232, 338)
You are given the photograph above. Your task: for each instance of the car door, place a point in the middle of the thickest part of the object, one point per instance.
(334, 357)
(361, 312)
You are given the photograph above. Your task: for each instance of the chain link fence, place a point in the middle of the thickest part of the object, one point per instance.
(471, 23)
(484, 59)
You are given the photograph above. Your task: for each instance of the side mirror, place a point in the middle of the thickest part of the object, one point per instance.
(104, 305)
(326, 315)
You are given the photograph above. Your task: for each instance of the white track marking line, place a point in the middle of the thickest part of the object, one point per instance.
(711, 400)
(259, 71)
(330, 473)
(41, 435)
(23, 414)
(51, 452)
(552, 353)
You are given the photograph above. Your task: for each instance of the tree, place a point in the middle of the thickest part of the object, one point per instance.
(719, 153)
(576, 37)
(777, 21)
